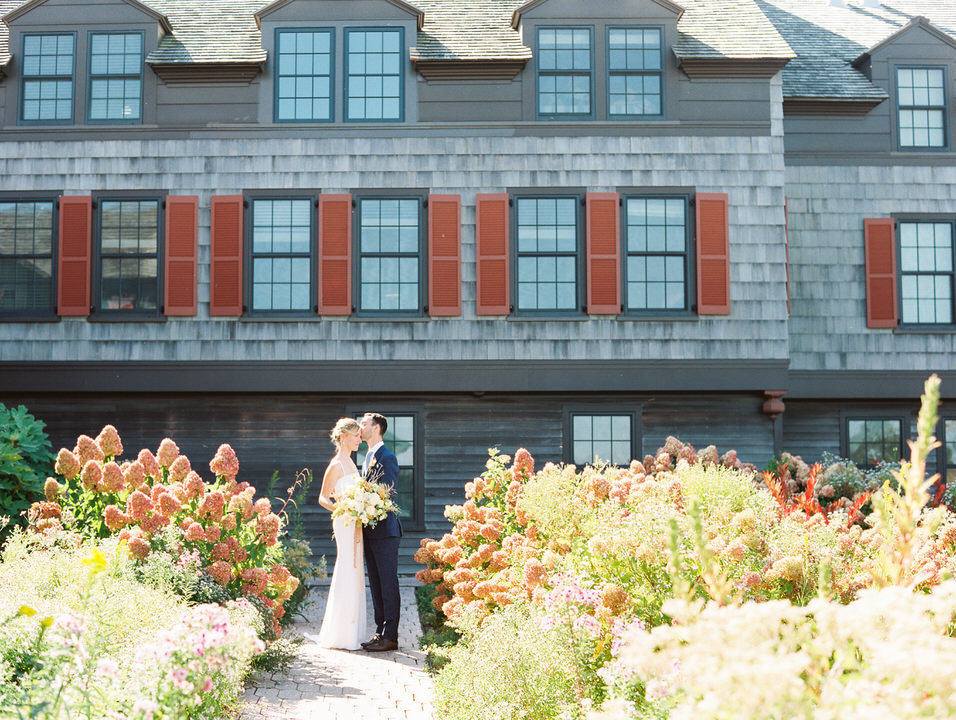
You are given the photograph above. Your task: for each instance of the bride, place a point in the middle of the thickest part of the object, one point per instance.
(344, 623)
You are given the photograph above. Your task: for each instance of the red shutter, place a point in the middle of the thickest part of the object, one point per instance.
(335, 254)
(182, 220)
(604, 254)
(879, 237)
(713, 255)
(73, 260)
(491, 251)
(225, 275)
(444, 255)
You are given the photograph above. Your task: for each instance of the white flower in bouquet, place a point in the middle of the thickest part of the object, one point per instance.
(368, 501)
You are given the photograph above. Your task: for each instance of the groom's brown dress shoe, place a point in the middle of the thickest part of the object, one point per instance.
(375, 639)
(382, 645)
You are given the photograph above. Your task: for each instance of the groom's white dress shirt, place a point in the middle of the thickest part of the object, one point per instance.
(370, 454)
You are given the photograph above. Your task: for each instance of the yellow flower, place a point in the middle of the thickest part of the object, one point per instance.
(27, 610)
(47, 621)
(95, 561)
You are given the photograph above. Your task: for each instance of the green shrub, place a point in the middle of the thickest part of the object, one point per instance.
(25, 463)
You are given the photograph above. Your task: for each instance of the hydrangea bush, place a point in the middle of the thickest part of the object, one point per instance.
(159, 502)
(597, 554)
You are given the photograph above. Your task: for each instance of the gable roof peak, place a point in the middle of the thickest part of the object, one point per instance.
(407, 7)
(516, 16)
(143, 7)
(917, 21)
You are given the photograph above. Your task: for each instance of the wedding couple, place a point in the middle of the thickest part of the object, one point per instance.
(344, 624)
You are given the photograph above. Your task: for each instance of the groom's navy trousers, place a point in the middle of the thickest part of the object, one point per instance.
(381, 557)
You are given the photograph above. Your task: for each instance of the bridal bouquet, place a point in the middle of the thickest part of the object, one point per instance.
(367, 501)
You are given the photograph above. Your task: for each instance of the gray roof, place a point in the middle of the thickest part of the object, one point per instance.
(469, 30)
(828, 39)
(820, 40)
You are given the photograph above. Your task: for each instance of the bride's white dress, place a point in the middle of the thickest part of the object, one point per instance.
(344, 623)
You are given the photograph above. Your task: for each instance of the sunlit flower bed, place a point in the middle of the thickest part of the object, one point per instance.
(81, 636)
(556, 579)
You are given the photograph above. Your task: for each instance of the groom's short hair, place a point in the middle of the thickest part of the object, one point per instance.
(379, 420)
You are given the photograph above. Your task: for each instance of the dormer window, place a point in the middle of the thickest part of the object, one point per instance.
(635, 72)
(921, 107)
(116, 77)
(373, 74)
(47, 80)
(565, 72)
(304, 82)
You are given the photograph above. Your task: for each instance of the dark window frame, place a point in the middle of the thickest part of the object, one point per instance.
(421, 197)
(942, 466)
(687, 196)
(346, 74)
(415, 522)
(249, 255)
(24, 79)
(331, 32)
(91, 78)
(580, 258)
(97, 256)
(572, 116)
(633, 410)
(846, 416)
(38, 197)
(610, 71)
(899, 108)
(928, 218)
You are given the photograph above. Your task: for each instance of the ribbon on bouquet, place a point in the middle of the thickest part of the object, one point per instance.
(355, 544)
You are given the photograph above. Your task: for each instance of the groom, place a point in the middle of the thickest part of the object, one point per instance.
(381, 541)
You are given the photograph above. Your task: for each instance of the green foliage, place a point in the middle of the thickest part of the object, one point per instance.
(436, 633)
(25, 462)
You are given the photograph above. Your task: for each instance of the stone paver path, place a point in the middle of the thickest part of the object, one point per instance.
(342, 685)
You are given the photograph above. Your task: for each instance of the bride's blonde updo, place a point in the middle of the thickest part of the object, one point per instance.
(344, 426)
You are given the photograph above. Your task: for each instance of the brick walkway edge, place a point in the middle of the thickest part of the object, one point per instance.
(341, 685)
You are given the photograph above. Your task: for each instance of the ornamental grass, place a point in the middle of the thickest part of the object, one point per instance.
(570, 569)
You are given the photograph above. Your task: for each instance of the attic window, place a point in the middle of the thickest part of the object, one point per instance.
(47, 89)
(921, 101)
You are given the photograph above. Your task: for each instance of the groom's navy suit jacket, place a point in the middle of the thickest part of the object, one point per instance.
(391, 526)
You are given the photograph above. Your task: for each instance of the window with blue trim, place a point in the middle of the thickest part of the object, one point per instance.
(390, 255)
(26, 257)
(921, 107)
(547, 250)
(635, 72)
(657, 253)
(116, 77)
(304, 75)
(374, 74)
(282, 255)
(47, 78)
(565, 72)
(926, 272)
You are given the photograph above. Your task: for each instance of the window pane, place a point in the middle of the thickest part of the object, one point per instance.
(657, 256)
(115, 76)
(26, 257)
(604, 437)
(304, 75)
(921, 101)
(282, 254)
(373, 86)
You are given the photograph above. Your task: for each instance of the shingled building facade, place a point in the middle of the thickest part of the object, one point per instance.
(573, 227)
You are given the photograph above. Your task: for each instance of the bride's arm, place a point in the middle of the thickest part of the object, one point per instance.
(332, 473)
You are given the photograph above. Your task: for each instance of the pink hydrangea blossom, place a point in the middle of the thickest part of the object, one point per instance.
(193, 486)
(167, 453)
(137, 505)
(225, 463)
(134, 475)
(92, 475)
(523, 466)
(213, 533)
(114, 518)
(51, 489)
(220, 571)
(86, 449)
(262, 507)
(229, 523)
(109, 442)
(179, 469)
(212, 506)
(268, 528)
(195, 533)
(168, 504)
(67, 464)
(256, 577)
(138, 547)
(150, 464)
(112, 480)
